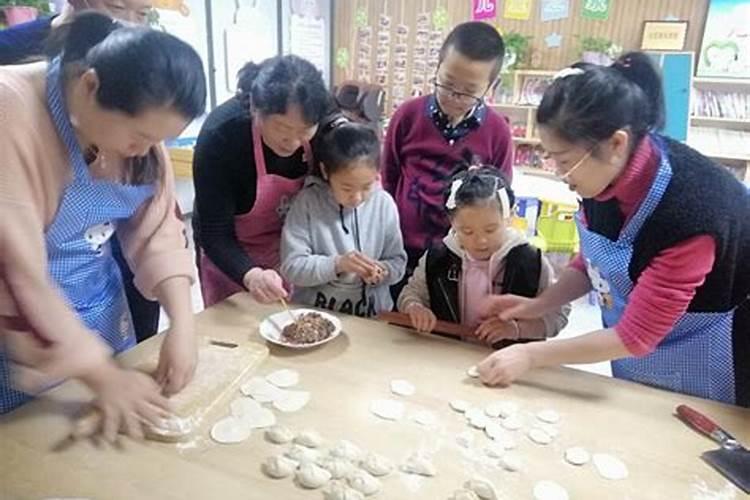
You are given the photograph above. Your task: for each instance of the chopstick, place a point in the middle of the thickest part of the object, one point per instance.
(289, 311)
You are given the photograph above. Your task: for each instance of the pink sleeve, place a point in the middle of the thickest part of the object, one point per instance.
(663, 292)
(578, 264)
(390, 162)
(154, 240)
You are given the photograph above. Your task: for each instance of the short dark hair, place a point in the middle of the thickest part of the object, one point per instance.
(344, 141)
(477, 41)
(271, 86)
(590, 106)
(479, 187)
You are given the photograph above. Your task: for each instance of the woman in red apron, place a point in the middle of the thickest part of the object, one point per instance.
(251, 158)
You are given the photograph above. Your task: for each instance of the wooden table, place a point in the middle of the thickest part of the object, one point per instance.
(633, 422)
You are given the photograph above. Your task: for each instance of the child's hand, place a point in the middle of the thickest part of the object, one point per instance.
(422, 319)
(494, 329)
(126, 400)
(265, 285)
(178, 359)
(357, 263)
(506, 365)
(508, 307)
(378, 275)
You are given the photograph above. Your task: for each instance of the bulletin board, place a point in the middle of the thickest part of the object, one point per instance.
(395, 42)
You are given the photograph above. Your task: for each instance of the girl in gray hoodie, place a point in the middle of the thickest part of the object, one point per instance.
(341, 247)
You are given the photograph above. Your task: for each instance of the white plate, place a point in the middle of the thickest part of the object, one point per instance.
(272, 334)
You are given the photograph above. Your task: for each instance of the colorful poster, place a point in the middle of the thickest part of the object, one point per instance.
(483, 9)
(553, 10)
(596, 9)
(517, 9)
(725, 51)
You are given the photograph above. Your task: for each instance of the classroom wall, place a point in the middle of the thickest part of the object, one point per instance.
(624, 27)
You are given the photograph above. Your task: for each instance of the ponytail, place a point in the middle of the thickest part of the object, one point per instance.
(74, 39)
(588, 103)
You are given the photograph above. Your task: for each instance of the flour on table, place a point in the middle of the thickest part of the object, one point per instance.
(473, 371)
(402, 387)
(309, 438)
(510, 462)
(283, 378)
(387, 409)
(280, 434)
(311, 476)
(279, 467)
(549, 490)
(425, 418)
(420, 464)
(482, 487)
(548, 416)
(291, 401)
(577, 456)
(609, 466)
(465, 439)
(364, 482)
(460, 405)
(377, 465)
(231, 430)
(539, 436)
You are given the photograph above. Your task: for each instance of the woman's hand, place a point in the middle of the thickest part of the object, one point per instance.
(422, 319)
(265, 285)
(503, 367)
(508, 307)
(178, 359)
(495, 329)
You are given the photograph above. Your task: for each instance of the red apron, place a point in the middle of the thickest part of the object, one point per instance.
(259, 230)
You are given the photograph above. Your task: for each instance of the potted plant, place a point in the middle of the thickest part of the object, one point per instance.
(21, 11)
(516, 50)
(596, 50)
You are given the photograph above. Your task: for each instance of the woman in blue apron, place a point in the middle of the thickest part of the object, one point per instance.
(665, 243)
(108, 100)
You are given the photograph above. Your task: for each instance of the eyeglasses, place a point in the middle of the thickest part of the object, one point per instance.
(451, 93)
(548, 159)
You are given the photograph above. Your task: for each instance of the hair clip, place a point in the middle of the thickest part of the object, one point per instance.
(502, 195)
(566, 72)
(450, 204)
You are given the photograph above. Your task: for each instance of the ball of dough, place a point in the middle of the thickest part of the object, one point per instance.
(364, 482)
(311, 476)
(377, 465)
(279, 467)
(280, 434)
(309, 438)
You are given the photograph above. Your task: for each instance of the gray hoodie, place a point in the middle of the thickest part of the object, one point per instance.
(317, 230)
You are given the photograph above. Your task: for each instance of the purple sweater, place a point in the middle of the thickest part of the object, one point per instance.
(418, 163)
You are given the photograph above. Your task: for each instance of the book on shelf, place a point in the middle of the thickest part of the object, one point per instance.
(721, 104)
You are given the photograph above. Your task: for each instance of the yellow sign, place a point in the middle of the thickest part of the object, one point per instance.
(664, 35)
(517, 9)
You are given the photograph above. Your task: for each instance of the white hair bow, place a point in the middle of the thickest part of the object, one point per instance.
(566, 72)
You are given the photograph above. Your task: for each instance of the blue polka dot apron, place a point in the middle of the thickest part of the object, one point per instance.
(78, 244)
(696, 357)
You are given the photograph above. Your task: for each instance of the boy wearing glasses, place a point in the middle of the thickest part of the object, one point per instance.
(430, 137)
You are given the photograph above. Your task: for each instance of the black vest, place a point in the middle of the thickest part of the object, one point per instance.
(523, 267)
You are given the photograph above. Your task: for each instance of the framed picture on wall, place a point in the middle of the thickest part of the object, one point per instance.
(664, 35)
(725, 50)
